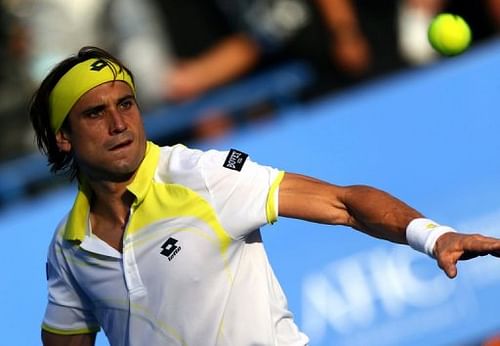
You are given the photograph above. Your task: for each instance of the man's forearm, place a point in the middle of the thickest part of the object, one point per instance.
(364, 208)
(377, 213)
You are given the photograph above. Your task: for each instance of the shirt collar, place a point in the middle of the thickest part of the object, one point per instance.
(78, 216)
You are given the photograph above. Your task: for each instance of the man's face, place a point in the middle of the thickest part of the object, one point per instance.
(107, 135)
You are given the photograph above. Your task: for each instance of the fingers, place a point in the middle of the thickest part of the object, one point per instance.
(447, 251)
(452, 247)
(451, 270)
(449, 264)
(478, 245)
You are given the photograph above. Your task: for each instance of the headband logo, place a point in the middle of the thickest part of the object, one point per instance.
(98, 65)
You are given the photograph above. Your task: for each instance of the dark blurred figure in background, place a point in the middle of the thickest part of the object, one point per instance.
(218, 41)
(16, 136)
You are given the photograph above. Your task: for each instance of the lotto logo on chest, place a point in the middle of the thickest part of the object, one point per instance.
(170, 249)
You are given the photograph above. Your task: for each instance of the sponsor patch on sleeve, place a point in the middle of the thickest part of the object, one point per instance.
(235, 160)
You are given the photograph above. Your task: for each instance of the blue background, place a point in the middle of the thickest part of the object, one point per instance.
(429, 137)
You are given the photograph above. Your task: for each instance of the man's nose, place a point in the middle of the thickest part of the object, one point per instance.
(117, 123)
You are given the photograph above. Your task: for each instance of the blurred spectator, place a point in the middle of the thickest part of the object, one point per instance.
(35, 35)
(217, 41)
(15, 85)
(414, 17)
(129, 29)
(58, 27)
(137, 36)
(378, 21)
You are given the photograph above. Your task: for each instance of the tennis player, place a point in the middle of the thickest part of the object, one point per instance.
(162, 244)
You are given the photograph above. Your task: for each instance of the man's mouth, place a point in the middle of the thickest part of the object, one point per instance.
(120, 145)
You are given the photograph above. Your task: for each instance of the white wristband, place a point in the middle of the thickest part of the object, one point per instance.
(421, 234)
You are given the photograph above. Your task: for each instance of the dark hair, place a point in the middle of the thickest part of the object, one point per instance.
(39, 110)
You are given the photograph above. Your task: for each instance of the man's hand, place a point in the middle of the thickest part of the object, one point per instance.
(452, 247)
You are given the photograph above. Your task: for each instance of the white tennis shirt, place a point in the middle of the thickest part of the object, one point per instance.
(193, 270)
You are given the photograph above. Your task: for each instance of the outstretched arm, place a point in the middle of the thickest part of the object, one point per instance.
(373, 212)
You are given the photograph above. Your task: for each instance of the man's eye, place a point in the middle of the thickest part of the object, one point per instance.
(126, 104)
(96, 113)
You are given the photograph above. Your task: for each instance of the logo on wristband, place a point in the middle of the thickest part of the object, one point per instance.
(430, 226)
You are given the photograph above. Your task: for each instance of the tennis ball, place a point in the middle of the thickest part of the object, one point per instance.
(449, 34)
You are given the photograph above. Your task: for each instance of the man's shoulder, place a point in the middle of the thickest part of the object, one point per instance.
(181, 164)
(179, 156)
(60, 229)
(177, 150)
(61, 226)
(177, 161)
(182, 157)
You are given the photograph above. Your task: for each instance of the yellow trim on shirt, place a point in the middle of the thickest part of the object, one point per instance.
(53, 330)
(141, 184)
(271, 207)
(164, 201)
(78, 217)
(167, 201)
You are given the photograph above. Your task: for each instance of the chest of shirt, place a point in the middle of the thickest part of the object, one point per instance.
(176, 256)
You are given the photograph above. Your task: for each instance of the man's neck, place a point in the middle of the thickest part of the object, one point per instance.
(109, 212)
(111, 201)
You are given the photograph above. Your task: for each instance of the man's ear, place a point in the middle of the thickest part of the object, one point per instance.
(63, 141)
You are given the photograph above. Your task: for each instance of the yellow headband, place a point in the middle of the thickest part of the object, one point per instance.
(77, 81)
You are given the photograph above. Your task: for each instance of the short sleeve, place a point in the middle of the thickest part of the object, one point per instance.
(68, 311)
(243, 192)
